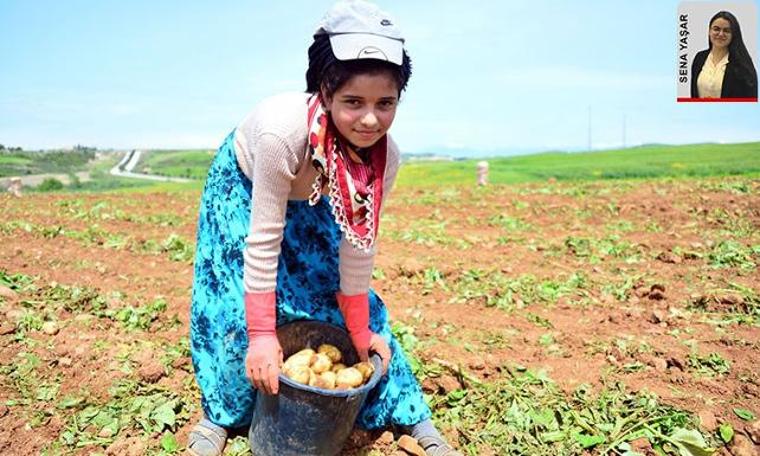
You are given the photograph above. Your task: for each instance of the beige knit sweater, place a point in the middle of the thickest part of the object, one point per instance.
(270, 145)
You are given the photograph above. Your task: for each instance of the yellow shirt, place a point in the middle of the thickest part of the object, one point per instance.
(710, 80)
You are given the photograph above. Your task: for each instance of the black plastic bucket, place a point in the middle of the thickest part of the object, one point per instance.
(302, 420)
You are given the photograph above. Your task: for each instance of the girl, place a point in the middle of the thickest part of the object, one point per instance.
(287, 230)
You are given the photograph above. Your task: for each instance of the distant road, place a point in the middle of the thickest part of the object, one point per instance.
(131, 159)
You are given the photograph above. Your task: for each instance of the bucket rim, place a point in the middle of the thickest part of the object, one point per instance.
(375, 359)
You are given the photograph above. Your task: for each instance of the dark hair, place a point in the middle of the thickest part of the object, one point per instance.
(737, 51)
(327, 71)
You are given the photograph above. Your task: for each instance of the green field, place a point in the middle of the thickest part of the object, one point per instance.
(699, 160)
(191, 164)
(638, 162)
(21, 163)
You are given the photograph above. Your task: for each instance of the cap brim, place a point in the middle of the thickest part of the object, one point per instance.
(352, 46)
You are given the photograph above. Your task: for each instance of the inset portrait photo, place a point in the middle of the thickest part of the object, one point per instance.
(716, 52)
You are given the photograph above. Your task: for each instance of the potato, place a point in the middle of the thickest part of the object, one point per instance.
(320, 363)
(302, 358)
(338, 366)
(348, 378)
(331, 351)
(366, 368)
(329, 378)
(325, 380)
(298, 373)
(312, 377)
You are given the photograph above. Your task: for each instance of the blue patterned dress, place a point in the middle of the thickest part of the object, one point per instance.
(307, 279)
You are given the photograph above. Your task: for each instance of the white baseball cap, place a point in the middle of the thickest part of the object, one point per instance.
(360, 30)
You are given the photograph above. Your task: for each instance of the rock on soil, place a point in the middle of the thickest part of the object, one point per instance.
(410, 445)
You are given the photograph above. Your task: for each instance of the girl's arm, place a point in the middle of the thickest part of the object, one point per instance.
(274, 167)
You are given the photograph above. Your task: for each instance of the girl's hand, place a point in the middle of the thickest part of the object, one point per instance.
(262, 363)
(378, 345)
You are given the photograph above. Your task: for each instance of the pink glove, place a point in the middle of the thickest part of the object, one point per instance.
(355, 310)
(264, 357)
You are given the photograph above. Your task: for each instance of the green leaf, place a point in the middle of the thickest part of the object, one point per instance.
(553, 436)
(726, 432)
(164, 415)
(70, 402)
(169, 443)
(456, 396)
(690, 443)
(744, 414)
(588, 441)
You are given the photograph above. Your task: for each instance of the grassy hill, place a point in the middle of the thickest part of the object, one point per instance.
(22, 162)
(637, 162)
(176, 163)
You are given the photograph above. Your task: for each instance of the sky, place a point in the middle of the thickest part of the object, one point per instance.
(489, 77)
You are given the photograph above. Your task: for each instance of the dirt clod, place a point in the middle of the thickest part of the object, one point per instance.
(658, 316)
(131, 446)
(50, 328)
(660, 364)
(14, 315)
(707, 420)
(642, 446)
(675, 362)
(753, 430)
(7, 293)
(656, 292)
(442, 385)
(669, 257)
(741, 446)
(151, 372)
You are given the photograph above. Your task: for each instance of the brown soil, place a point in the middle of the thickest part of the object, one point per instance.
(662, 219)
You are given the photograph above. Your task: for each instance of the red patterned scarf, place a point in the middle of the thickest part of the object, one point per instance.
(356, 190)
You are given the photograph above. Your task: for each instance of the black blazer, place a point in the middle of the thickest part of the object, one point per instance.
(734, 86)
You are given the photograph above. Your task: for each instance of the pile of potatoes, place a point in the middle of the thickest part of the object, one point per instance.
(323, 369)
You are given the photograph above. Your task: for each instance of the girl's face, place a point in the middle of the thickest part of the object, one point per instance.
(363, 108)
(720, 33)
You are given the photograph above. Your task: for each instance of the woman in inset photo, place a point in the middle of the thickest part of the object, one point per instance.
(724, 69)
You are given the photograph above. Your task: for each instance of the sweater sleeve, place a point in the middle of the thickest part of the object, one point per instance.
(356, 265)
(274, 166)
